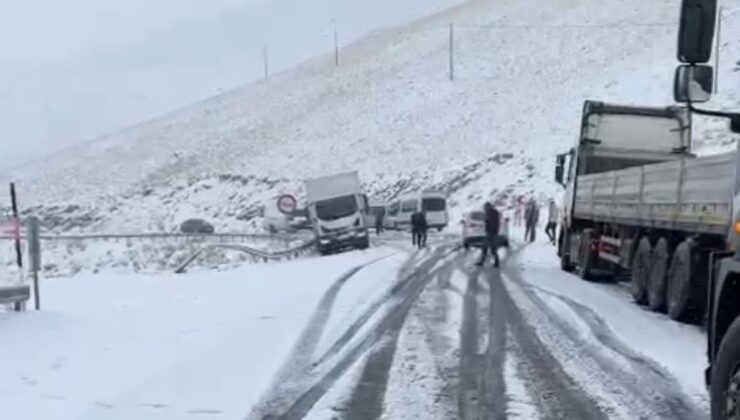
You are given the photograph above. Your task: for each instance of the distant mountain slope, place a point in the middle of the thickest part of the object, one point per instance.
(522, 71)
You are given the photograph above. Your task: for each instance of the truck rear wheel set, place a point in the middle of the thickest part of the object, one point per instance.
(641, 270)
(656, 285)
(681, 283)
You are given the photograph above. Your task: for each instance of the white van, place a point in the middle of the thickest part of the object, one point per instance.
(433, 204)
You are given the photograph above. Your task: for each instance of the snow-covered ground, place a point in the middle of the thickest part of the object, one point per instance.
(123, 346)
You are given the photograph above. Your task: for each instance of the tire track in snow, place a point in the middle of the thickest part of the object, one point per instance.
(407, 271)
(298, 364)
(369, 393)
(557, 396)
(629, 390)
(296, 405)
(482, 390)
(647, 381)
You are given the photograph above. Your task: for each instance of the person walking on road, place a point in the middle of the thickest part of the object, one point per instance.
(552, 221)
(518, 210)
(531, 218)
(493, 224)
(419, 229)
(379, 221)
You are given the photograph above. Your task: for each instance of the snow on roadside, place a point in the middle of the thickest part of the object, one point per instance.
(135, 346)
(649, 334)
(519, 403)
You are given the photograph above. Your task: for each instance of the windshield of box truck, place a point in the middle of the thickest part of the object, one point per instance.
(336, 208)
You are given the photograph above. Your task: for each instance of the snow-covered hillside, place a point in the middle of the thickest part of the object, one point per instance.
(522, 71)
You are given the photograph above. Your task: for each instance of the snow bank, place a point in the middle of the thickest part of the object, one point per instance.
(136, 346)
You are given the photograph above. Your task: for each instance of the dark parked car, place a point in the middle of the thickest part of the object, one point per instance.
(196, 226)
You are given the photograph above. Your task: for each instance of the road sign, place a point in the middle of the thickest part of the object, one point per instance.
(287, 204)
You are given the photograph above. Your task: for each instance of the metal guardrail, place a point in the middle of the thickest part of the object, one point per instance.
(159, 236)
(267, 256)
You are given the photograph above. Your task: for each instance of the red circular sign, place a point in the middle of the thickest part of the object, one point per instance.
(287, 203)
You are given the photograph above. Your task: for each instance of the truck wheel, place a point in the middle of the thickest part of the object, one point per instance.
(641, 270)
(724, 388)
(678, 291)
(365, 243)
(565, 263)
(657, 276)
(585, 257)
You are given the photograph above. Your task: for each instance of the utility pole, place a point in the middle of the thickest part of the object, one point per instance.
(336, 43)
(266, 63)
(452, 51)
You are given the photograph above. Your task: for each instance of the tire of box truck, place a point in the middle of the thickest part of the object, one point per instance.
(679, 288)
(724, 388)
(641, 271)
(364, 243)
(656, 285)
(323, 250)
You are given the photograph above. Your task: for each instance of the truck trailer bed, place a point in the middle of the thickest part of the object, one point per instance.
(692, 194)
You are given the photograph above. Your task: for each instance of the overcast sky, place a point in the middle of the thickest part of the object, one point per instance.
(73, 70)
(50, 79)
(37, 31)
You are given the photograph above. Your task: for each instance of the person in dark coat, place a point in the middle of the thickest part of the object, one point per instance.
(531, 219)
(419, 229)
(493, 225)
(379, 221)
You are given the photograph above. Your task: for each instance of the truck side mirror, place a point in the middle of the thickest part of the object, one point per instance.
(696, 30)
(693, 83)
(560, 169)
(559, 174)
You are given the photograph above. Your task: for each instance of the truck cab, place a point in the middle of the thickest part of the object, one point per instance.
(337, 209)
(615, 137)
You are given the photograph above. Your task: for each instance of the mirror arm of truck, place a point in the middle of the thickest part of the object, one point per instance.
(733, 116)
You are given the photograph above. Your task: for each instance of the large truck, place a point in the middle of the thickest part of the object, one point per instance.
(638, 201)
(674, 225)
(336, 209)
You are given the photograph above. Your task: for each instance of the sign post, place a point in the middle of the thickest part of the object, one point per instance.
(34, 256)
(17, 227)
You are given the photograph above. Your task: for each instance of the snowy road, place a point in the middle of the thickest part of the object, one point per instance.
(387, 333)
(451, 340)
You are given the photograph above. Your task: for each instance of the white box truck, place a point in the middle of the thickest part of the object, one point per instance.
(336, 208)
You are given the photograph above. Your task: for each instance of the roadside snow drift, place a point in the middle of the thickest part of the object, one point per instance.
(145, 347)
